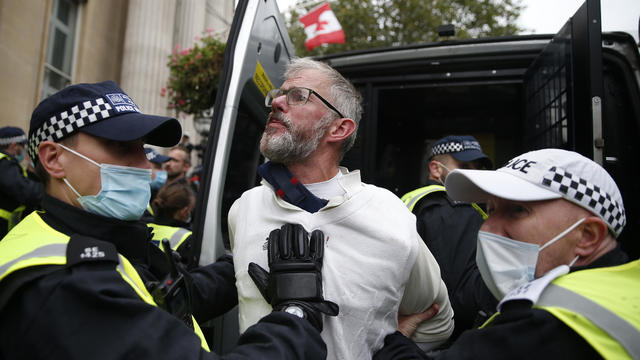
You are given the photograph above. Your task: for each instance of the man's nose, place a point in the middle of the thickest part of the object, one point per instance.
(493, 224)
(280, 103)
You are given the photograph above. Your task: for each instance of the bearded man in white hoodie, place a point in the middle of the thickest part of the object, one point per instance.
(376, 266)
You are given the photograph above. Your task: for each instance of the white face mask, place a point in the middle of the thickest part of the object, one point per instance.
(444, 176)
(505, 263)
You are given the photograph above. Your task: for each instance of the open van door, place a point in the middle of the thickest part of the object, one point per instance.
(564, 87)
(257, 52)
(581, 94)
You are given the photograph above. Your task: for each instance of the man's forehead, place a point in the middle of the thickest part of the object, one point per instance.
(308, 78)
(549, 204)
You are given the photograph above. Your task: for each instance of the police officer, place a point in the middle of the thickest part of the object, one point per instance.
(81, 279)
(172, 208)
(158, 175)
(19, 192)
(548, 251)
(449, 228)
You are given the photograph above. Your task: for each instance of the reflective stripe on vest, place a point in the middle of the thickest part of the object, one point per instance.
(175, 235)
(602, 305)
(33, 243)
(14, 216)
(413, 197)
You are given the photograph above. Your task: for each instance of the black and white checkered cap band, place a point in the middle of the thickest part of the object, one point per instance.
(68, 122)
(447, 148)
(13, 139)
(587, 195)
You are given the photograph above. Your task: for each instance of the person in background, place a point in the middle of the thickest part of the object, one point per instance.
(548, 252)
(178, 164)
(450, 229)
(19, 193)
(82, 280)
(185, 142)
(375, 263)
(173, 207)
(194, 178)
(158, 175)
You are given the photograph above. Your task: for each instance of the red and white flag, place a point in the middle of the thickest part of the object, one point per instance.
(321, 27)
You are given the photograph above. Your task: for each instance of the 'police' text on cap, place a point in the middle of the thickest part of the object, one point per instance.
(101, 110)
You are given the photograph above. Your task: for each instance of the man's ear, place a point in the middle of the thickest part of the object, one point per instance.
(593, 233)
(435, 169)
(340, 129)
(49, 156)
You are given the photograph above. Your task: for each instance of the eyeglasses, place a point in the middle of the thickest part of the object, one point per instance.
(297, 96)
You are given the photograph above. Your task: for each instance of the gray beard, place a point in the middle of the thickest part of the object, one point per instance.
(292, 145)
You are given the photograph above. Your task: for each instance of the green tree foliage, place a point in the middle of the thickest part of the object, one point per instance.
(377, 23)
(194, 74)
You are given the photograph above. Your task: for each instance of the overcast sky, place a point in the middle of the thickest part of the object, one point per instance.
(548, 16)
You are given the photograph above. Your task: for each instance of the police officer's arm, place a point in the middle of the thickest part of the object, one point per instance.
(214, 289)
(520, 332)
(88, 311)
(424, 288)
(23, 190)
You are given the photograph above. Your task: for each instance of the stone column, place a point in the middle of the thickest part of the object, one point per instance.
(189, 26)
(147, 46)
(190, 23)
(219, 16)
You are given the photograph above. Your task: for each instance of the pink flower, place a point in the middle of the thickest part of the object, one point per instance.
(181, 102)
(198, 56)
(184, 52)
(209, 30)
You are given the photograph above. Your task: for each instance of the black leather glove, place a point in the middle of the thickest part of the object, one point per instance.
(296, 273)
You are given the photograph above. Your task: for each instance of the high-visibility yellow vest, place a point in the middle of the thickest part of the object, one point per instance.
(12, 216)
(175, 235)
(413, 197)
(34, 243)
(601, 305)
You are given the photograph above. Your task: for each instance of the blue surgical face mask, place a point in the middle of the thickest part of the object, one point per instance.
(159, 180)
(505, 264)
(125, 191)
(20, 157)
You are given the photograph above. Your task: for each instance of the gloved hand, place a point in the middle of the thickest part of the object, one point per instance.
(296, 273)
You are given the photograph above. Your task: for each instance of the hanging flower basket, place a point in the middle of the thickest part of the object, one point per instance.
(194, 74)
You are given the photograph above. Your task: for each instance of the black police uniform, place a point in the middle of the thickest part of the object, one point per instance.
(87, 311)
(450, 230)
(519, 332)
(16, 190)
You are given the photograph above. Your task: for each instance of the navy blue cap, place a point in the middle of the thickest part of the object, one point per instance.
(102, 110)
(11, 134)
(155, 157)
(462, 148)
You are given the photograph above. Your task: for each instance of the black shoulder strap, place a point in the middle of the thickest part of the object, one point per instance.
(87, 249)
